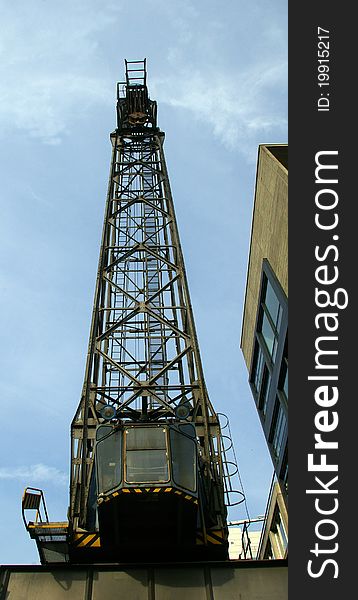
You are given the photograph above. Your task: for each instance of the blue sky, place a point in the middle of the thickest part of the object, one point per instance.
(219, 74)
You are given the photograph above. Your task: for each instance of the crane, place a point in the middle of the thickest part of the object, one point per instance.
(147, 462)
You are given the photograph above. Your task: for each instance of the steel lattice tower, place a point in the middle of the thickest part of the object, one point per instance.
(143, 367)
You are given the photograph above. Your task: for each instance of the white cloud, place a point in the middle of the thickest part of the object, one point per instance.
(237, 108)
(34, 474)
(225, 76)
(54, 65)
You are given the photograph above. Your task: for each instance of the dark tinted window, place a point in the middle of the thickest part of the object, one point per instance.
(147, 466)
(146, 455)
(264, 391)
(273, 306)
(108, 460)
(258, 368)
(269, 336)
(183, 457)
(145, 438)
(278, 429)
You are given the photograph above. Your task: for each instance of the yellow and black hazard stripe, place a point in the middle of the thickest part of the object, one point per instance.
(218, 536)
(149, 490)
(186, 496)
(86, 540)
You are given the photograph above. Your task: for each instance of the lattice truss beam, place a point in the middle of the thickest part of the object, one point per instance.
(143, 356)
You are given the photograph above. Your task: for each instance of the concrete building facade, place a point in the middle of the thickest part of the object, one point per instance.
(264, 338)
(236, 543)
(274, 537)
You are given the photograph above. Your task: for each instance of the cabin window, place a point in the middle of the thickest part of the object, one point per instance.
(146, 455)
(108, 458)
(183, 454)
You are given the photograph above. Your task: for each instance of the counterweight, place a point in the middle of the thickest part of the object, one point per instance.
(146, 460)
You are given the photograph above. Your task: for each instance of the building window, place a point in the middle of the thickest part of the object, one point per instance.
(272, 305)
(259, 363)
(284, 470)
(278, 430)
(269, 369)
(268, 554)
(264, 390)
(270, 318)
(284, 378)
(261, 379)
(268, 332)
(279, 537)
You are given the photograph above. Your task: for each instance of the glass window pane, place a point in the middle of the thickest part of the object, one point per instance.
(264, 391)
(274, 349)
(284, 471)
(279, 318)
(188, 429)
(279, 430)
(279, 531)
(268, 334)
(268, 550)
(145, 438)
(102, 431)
(183, 457)
(285, 383)
(146, 466)
(108, 460)
(272, 303)
(257, 369)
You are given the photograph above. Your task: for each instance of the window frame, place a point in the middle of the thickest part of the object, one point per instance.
(146, 450)
(275, 363)
(278, 430)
